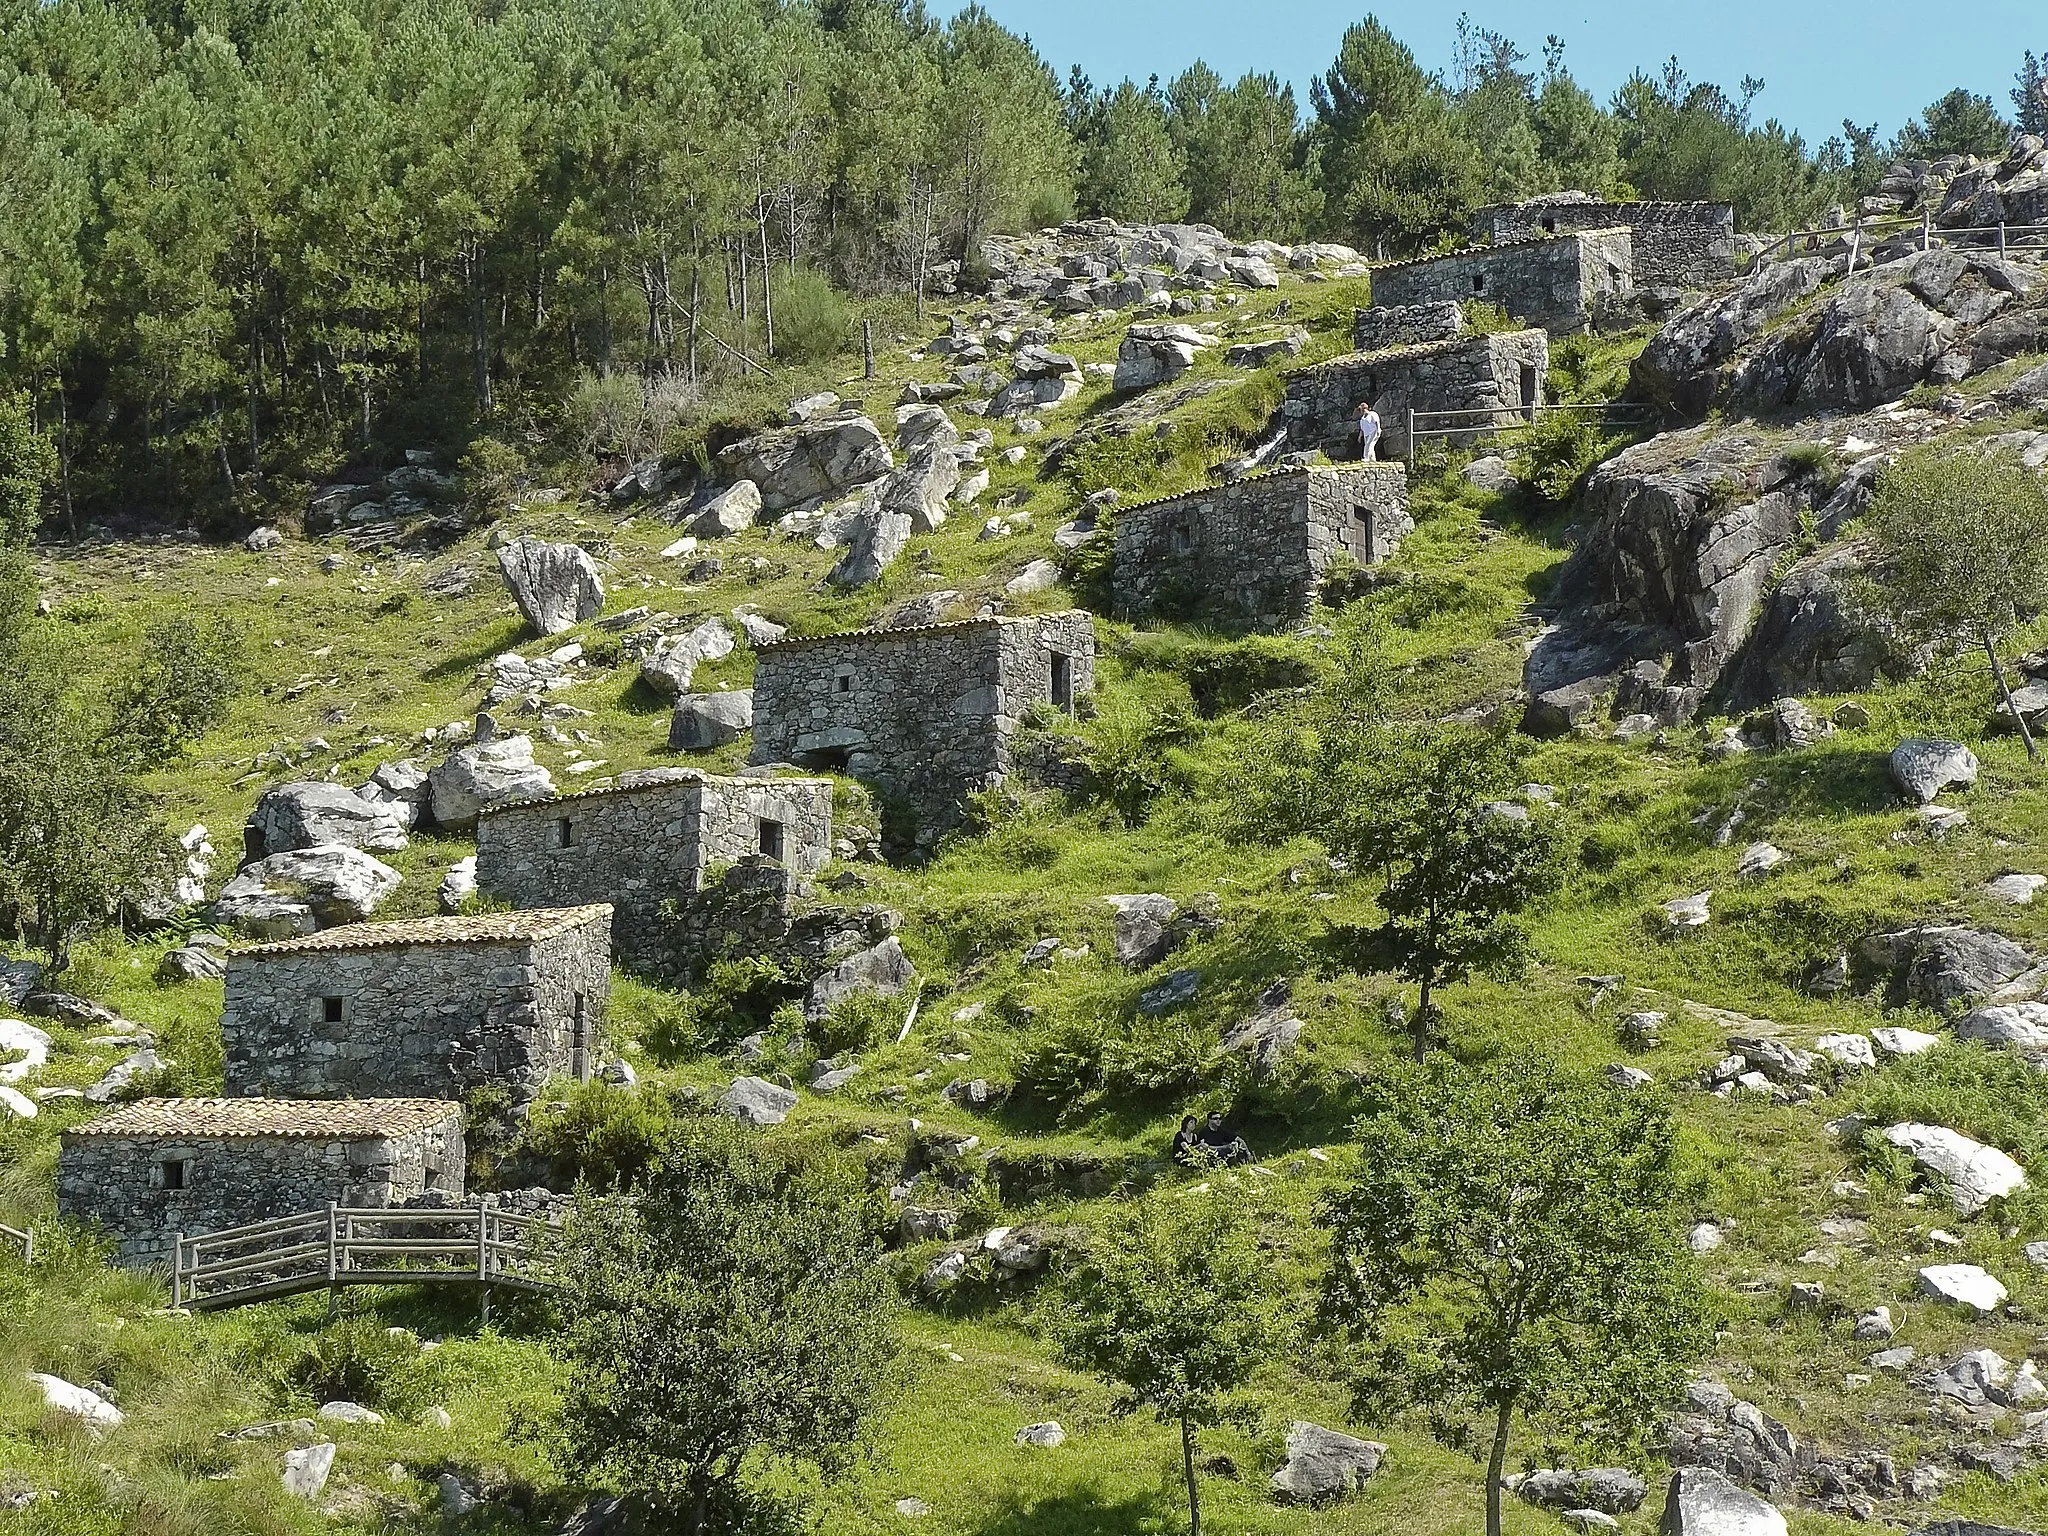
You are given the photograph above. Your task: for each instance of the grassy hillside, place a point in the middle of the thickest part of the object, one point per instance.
(346, 667)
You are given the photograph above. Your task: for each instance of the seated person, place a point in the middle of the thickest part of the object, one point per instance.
(1187, 1143)
(1216, 1140)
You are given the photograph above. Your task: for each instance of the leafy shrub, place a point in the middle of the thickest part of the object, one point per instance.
(625, 414)
(1134, 756)
(812, 320)
(1088, 1057)
(355, 1360)
(1558, 452)
(184, 682)
(1486, 319)
(859, 1022)
(1993, 1096)
(491, 473)
(602, 1134)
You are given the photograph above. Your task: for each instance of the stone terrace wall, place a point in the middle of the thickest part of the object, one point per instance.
(1406, 325)
(646, 841)
(1677, 245)
(1550, 282)
(1502, 373)
(925, 714)
(429, 1020)
(1252, 555)
(118, 1180)
(760, 910)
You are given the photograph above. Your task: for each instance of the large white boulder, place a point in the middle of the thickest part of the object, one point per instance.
(1924, 768)
(1703, 1502)
(733, 510)
(883, 968)
(1974, 1173)
(294, 816)
(756, 1101)
(791, 466)
(675, 659)
(306, 1469)
(289, 894)
(79, 1402)
(2011, 1026)
(1324, 1464)
(555, 585)
(490, 773)
(705, 720)
(28, 1045)
(1963, 1285)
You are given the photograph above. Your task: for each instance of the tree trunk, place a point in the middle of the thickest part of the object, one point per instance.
(2019, 719)
(767, 276)
(696, 299)
(1187, 1461)
(1493, 1466)
(480, 356)
(1422, 1013)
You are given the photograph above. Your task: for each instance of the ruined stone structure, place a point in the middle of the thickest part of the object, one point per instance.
(1552, 282)
(1252, 555)
(1502, 375)
(646, 840)
(761, 910)
(1385, 326)
(437, 1006)
(157, 1168)
(1676, 245)
(926, 714)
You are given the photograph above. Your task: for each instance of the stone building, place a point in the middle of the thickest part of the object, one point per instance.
(1386, 326)
(1501, 375)
(926, 714)
(1552, 281)
(435, 1006)
(646, 840)
(156, 1168)
(1252, 555)
(1675, 245)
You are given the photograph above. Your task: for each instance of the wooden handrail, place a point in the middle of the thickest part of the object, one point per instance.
(476, 1245)
(26, 1237)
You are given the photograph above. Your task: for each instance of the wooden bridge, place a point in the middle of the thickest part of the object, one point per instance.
(476, 1245)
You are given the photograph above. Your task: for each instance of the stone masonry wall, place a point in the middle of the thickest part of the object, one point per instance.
(1406, 325)
(925, 714)
(645, 842)
(1551, 282)
(762, 911)
(426, 1020)
(118, 1181)
(1503, 374)
(1676, 245)
(1252, 555)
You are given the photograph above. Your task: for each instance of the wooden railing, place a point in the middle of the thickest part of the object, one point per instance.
(1491, 421)
(1868, 234)
(460, 1245)
(24, 1238)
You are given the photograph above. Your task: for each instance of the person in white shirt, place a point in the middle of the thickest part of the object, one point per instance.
(1368, 432)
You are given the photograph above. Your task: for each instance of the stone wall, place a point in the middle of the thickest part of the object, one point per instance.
(1552, 282)
(646, 841)
(1502, 374)
(119, 1181)
(1252, 555)
(1677, 245)
(1406, 325)
(434, 1019)
(924, 714)
(762, 911)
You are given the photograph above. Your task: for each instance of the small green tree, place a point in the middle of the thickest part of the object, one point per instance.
(1177, 1301)
(729, 1318)
(27, 463)
(1512, 1244)
(1962, 539)
(184, 680)
(1427, 809)
(1960, 123)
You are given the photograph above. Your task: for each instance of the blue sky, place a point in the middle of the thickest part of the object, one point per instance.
(1821, 60)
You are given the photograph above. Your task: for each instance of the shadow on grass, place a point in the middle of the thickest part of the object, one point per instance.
(1076, 1512)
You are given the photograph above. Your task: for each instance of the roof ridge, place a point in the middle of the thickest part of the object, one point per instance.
(1271, 474)
(252, 1118)
(523, 924)
(1547, 238)
(604, 791)
(993, 621)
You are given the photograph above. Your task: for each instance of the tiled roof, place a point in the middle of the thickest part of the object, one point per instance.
(683, 777)
(300, 1119)
(957, 626)
(1414, 349)
(1505, 245)
(485, 928)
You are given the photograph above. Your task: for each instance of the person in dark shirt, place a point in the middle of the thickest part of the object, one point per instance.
(1187, 1142)
(1217, 1141)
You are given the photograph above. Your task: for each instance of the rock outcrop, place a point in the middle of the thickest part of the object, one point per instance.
(555, 585)
(793, 466)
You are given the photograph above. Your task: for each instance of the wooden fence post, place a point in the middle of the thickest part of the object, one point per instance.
(177, 1270)
(867, 347)
(333, 1270)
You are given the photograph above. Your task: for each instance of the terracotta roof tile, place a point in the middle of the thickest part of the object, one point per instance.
(484, 928)
(299, 1119)
(611, 787)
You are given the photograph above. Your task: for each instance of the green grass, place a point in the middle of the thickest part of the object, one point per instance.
(387, 661)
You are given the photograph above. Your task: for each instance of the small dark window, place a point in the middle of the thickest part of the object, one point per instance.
(1062, 681)
(1479, 282)
(331, 1010)
(771, 839)
(565, 833)
(1182, 536)
(1550, 226)
(174, 1173)
(843, 682)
